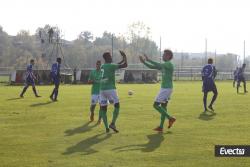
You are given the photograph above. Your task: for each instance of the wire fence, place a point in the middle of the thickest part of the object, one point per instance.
(133, 73)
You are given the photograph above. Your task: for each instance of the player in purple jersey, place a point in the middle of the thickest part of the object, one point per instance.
(55, 75)
(241, 78)
(208, 75)
(30, 79)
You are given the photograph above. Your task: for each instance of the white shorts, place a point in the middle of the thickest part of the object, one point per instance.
(94, 99)
(164, 95)
(108, 96)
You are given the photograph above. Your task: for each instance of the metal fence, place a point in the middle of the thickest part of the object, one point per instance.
(194, 73)
(180, 73)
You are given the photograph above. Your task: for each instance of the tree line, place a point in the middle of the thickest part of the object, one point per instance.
(85, 50)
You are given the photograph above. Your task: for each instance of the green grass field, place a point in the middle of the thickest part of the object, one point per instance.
(38, 133)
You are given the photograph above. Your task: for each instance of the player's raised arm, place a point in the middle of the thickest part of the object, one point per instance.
(144, 61)
(152, 62)
(123, 63)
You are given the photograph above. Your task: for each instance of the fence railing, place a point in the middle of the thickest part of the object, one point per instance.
(181, 74)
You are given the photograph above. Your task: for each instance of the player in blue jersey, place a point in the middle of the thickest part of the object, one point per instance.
(208, 75)
(55, 75)
(30, 79)
(241, 78)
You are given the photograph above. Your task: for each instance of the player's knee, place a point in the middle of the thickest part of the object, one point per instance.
(104, 108)
(117, 105)
(156, 104)
(205, 95)
(216, 93)
(93, 106)
(164, 105)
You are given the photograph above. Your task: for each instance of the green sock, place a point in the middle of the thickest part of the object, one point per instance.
(105, 119)
(163, 113)
(166, 113)
(161, 110)
(163, 118)
(115, 114)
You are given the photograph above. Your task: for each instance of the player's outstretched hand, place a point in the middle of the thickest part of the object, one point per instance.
(122, 54)
(142, 60)
(146, 57)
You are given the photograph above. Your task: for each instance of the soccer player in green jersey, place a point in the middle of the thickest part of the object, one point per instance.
(163, 96)
(94, 79)
(108, 88)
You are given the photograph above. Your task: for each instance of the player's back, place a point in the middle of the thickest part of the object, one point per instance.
(241, 72)
(208, 73)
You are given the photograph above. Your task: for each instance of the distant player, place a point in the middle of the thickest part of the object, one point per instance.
(108, 88)
(235, 76)
(55, 75)
(30, 79)
(161, 100)
(208, 75)
(241, 78)
(94, 79)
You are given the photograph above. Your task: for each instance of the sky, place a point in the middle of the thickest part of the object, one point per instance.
(183, 25)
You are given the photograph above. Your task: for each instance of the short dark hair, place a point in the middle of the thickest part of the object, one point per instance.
(32, 60)
(168, 52)
(98, 61)
(105, 55)
(58, 59)
(210, 61)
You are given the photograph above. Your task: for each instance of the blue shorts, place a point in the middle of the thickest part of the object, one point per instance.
(235, 78)
(56, 80)
(241, 79)
(208, 87)
(29, 82)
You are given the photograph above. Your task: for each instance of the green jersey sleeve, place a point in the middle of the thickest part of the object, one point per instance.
(114, 66)
(150, 65)
(155, 63)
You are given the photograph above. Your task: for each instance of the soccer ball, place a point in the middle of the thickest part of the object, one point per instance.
(130, 92)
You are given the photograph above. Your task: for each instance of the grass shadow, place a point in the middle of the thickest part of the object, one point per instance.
(16, 98)
(86, 145)
(154, 142)
(207, 117)
(168, 132)
(81, 129)
(241, 93)
(41, 104)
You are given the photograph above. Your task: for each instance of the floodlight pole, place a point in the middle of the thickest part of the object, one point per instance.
(205, 51)
(160, 48)
(244, 51)
(215, 54)
(112, 43)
